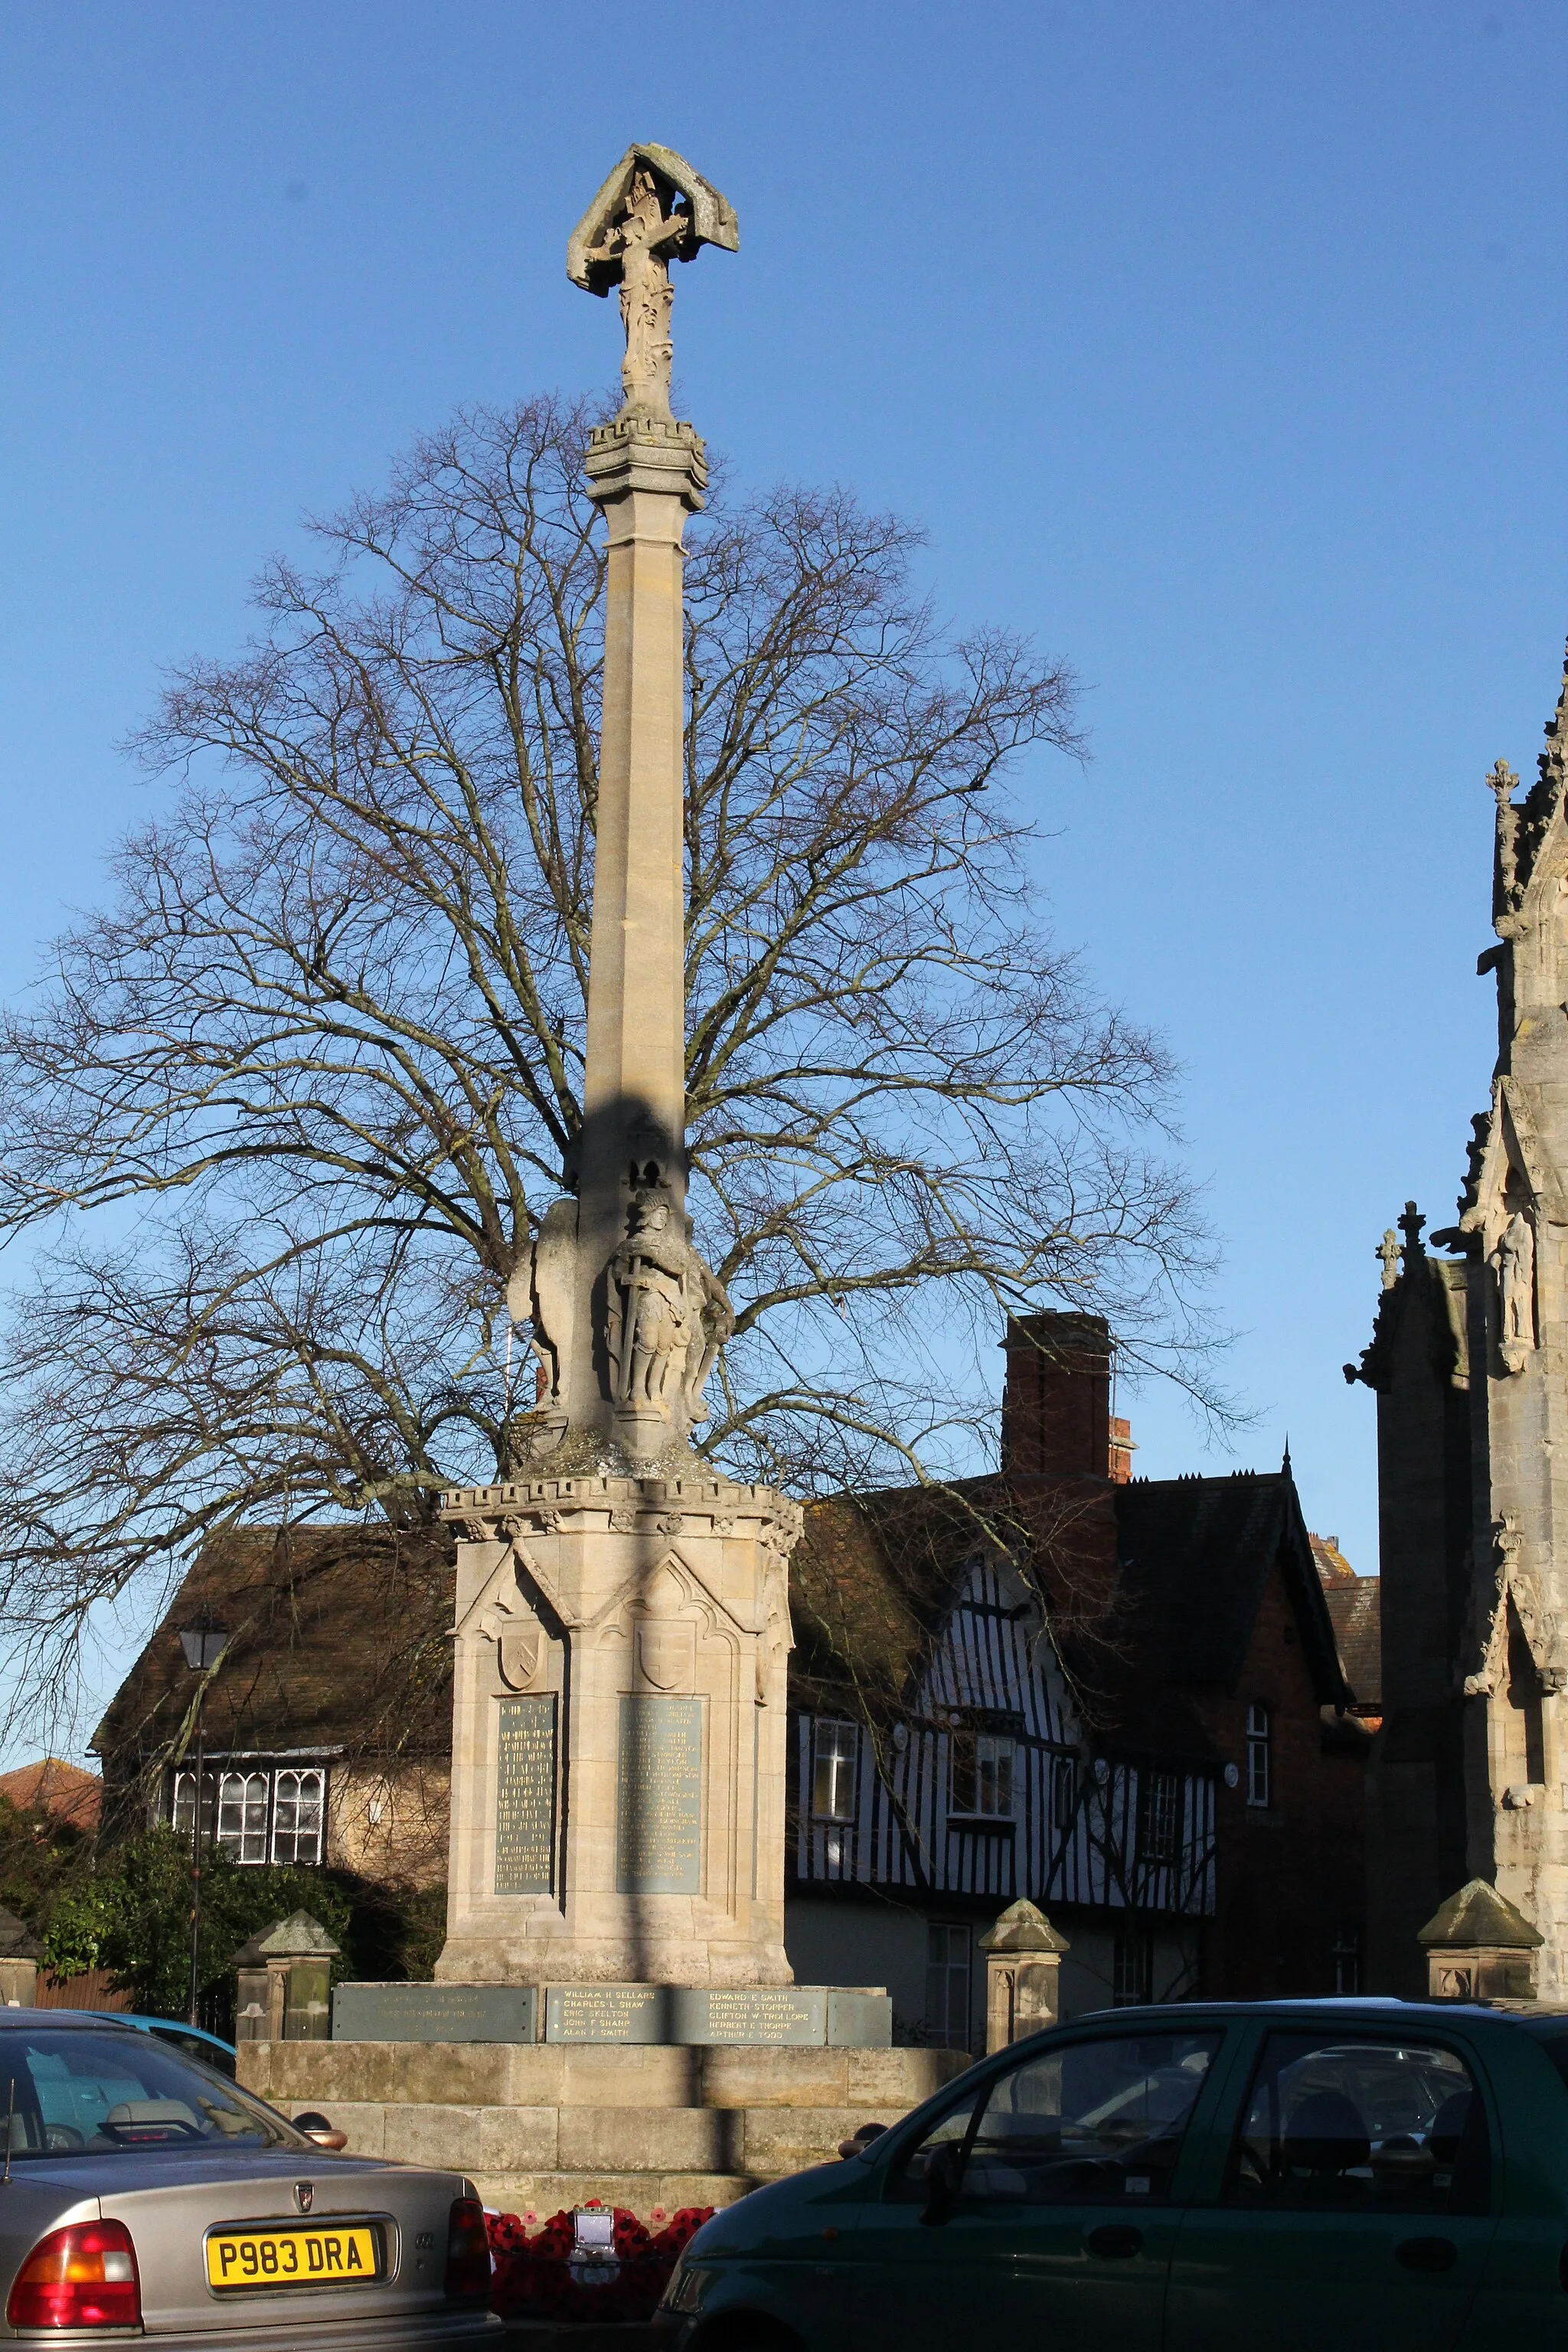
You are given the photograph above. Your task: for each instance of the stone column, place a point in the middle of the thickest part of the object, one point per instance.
(648, 475)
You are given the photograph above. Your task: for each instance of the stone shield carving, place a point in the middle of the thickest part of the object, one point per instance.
(521, 1651)
(667, 1653)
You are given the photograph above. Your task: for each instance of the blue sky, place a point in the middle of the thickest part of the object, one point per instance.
(1219, 346)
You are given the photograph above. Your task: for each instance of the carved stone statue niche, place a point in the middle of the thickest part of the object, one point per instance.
(666, 1313)
(1513, 1259)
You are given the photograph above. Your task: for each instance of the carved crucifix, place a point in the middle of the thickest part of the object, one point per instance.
(640, 246)
(652, 210)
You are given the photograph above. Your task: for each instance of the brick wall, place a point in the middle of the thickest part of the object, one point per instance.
(1292, 1875)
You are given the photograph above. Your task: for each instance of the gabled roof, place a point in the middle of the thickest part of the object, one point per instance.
(1153, 1591)
(876, 1577)
(339, 1639)
(1195, 1556)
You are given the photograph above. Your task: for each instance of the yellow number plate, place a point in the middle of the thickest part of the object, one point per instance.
(314, 2257)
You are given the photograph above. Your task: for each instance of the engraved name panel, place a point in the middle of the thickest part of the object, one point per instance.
(659, 1812)
(763, 2015)
(525, 1797)
(433, 2013)
(606, 2013)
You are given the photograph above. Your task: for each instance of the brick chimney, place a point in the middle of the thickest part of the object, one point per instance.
(1056, 1403)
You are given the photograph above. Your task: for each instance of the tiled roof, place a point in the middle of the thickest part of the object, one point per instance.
(53, 1787)
(1332, 1564)
(1143, 1635)
(1358, 1629)
(874, 1576)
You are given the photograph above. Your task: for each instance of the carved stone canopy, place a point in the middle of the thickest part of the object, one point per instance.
(713, 218)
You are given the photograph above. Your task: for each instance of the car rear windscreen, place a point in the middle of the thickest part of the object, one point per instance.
(79, 2093)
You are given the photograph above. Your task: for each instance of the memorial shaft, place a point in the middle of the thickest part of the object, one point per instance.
(647, 475)
(621, 1638)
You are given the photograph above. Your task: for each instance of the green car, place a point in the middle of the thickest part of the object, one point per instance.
(1367, 2176)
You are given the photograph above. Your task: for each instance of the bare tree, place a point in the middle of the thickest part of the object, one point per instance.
(280, 1120)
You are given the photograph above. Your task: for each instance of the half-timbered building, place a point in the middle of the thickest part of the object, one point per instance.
(1122, 1698)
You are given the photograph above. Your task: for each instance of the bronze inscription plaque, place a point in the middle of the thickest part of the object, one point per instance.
(659, 1814)
(525, 1797)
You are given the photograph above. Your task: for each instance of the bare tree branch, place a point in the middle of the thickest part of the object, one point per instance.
(280, 1119)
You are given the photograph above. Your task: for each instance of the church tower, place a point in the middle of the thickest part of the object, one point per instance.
(1470, 1362)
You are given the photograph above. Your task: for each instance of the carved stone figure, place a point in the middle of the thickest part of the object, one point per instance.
(541, 1291)
(649, 1326)
(1513, 1260)
(641, 242)
(627, 238)
(668, 1314)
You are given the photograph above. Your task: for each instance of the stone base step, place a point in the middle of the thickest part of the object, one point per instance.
(520, 2142)
(653, 2197)
(534, 2076)
(537, 2128)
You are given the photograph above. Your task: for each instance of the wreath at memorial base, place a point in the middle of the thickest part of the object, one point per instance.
(535, 2278)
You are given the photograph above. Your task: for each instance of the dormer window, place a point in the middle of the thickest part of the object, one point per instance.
(1260, 1757)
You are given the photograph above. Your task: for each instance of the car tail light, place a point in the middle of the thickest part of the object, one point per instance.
(468, 2253)
(81, 2277)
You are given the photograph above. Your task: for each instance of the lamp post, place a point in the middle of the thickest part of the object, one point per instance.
(203, 1646)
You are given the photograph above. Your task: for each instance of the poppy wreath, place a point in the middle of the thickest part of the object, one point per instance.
(532, 2276)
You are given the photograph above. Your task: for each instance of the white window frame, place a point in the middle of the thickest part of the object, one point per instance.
(244, 1814)
(298, 1812)
(835, 1768)
(1132, 1966)
(1159, 1816)
(1259, 1756)
(256, 1813)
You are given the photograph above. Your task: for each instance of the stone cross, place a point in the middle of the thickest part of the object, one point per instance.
(653, 209)
(619, 1713)
(627, 1318)
(1388, 1251)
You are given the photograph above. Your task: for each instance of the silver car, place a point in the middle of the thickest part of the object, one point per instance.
(141, 2194)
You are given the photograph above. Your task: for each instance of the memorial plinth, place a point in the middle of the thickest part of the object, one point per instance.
(618, 1733)
(547, 2125)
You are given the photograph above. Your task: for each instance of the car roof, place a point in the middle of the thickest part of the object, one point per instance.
(1337, 2009)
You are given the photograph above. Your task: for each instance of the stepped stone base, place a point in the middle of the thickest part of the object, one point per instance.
(539, 2127)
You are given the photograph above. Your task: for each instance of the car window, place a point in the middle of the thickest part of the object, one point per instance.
(1079, 2123)
(909, 2182)
(102, 2093)
(1389, 2126)
(206, 2053)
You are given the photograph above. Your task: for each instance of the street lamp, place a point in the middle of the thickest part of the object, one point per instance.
(204, 1646)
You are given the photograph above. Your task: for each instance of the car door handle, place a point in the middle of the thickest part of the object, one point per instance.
(1426, 2253)
(1117, 2240)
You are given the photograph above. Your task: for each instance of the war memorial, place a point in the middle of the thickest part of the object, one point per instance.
(614, 2014)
